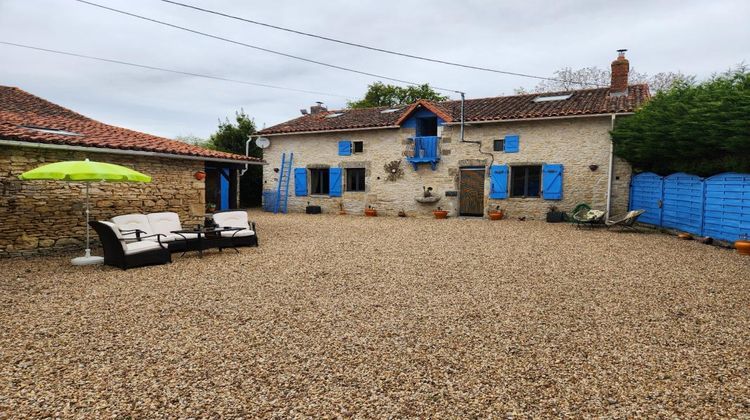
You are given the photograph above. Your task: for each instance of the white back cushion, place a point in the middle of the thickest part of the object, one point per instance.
(117, 233)
(133, 221)
(237, 219)
(164, 222)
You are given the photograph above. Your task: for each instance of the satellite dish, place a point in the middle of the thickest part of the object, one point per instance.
(262, 142)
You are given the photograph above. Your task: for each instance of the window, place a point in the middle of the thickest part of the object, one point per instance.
(498, 145)
(525, 181)
(427, 126)
(319, 181)
(551, 98)
(358, 147)
(355, 179)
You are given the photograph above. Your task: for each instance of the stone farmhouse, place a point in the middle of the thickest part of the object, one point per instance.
(522, 153)
(42, 216)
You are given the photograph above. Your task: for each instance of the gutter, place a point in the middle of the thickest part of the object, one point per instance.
(27, 144)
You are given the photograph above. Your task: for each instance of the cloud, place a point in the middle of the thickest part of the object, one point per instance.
(535, 37)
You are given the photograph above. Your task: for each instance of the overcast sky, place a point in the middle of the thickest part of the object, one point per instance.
(693, 36)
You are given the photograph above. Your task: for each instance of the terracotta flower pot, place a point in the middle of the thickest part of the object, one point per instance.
(371, 212)
(440, 214)
(742, 246)
(200, 175)
(495, 215)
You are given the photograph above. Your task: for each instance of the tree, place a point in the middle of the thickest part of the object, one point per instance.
(381, 94)
(231, 137)
(591, 77)
(700, 128)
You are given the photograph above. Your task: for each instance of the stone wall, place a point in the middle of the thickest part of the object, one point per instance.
(39, 217)
(576, 143)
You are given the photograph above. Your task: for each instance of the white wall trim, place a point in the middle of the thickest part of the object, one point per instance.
(26, 144)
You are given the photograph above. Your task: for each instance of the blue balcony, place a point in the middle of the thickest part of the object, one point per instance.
(426, 150)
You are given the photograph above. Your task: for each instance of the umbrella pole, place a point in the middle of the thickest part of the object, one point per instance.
(88, 248)
(87, 259)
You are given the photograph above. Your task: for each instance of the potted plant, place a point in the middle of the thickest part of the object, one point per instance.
(210, 207)
(742, 245)
(342, 210)
(370, 212)
(496, 214)
(440, 213)
(554, 215)
(401, 213)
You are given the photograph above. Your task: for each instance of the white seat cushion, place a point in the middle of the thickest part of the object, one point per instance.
(133, 221)
(141, 246)
(236, 219)
(165, 222)
(237, 234)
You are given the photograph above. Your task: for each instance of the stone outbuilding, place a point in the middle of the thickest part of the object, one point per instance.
(44, 216)
(522, 153)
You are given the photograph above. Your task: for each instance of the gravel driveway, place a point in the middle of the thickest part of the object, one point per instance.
(351, 316)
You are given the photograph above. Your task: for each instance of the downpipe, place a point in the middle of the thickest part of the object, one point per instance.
(247, 153)
(608, 206)
(463, 140)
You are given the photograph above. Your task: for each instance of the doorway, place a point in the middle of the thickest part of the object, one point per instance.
(471, 192)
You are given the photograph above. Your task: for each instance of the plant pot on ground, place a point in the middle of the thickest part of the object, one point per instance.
(440, 213)
(743, 245)
(554, 215)
(370, 212)
(495, 214)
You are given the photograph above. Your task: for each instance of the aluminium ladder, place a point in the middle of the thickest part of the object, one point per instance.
(282, 190)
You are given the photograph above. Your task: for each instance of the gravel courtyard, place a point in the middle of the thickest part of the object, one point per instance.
(350, 316)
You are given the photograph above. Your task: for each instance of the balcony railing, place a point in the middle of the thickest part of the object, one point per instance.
(425, 149)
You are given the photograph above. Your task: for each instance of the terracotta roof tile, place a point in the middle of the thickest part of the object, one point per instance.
(28, 118)
(518, 107)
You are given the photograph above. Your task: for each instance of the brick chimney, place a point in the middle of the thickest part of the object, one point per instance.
(318, 108)
(620, 70)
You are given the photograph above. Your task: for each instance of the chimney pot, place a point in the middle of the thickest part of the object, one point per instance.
(620, 72)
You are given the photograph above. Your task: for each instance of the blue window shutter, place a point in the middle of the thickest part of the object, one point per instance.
(345, 148)
(334, 181)
(552, 181)
(499, 181)
(300, 182)
(511, 144)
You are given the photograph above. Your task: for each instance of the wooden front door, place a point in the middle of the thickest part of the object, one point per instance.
(471, 194)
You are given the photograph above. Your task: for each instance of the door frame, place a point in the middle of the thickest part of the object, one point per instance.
(484, 181)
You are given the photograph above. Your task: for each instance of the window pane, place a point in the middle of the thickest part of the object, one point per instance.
(498, 145)
(534, 181)
(526, 181)
(319, 181)
(355, 179)
(518, 181)
(358, 147)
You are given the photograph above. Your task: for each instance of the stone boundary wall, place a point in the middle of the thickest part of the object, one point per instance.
(47, 217)
(577, 143)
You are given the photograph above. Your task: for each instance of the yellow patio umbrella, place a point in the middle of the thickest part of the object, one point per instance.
(85, 171)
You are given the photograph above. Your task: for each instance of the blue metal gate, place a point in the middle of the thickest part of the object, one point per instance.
(646, 193)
